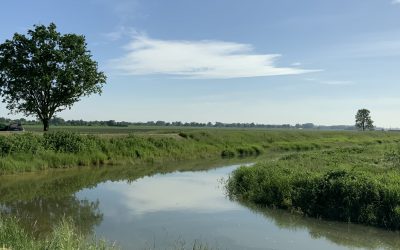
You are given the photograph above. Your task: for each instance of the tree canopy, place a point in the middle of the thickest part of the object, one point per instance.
(363, 120)
(45, 72)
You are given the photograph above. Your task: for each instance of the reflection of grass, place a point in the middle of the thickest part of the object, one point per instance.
(359, 184)
(40, 200)
(182, 245)
(340, 233)
(64, 236)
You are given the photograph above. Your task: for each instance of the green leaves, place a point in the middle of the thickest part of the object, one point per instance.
(363, 120)
(46, 72)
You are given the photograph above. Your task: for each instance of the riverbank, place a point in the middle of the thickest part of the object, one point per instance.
(90, 196)
(63, 236)
(358, 184)
(34, 206)
(63, 149)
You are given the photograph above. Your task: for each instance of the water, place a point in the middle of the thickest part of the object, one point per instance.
(142, 210)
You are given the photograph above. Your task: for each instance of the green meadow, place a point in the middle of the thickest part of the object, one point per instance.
(358, 183)
(64, 148)
(337, 175)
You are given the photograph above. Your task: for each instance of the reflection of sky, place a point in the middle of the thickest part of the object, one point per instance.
(181, 191)
(199, 192)
(163, 210)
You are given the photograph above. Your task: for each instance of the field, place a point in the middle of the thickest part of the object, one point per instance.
(340, 175)
(102, 146)
(358, 183)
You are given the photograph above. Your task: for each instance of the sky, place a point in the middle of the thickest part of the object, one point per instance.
(261, 61)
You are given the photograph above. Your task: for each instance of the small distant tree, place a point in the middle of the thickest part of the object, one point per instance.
(44, 72)
(363, 120)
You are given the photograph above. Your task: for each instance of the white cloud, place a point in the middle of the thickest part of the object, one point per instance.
(396, 2)
(330, 82)
(198, 59)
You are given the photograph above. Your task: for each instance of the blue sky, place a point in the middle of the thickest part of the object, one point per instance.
(260, 61)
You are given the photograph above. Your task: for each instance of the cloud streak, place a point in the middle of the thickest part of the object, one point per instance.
(204, 59)
(330, 82)
(119, 33)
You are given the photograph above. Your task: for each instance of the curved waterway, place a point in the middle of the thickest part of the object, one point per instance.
(142, 209)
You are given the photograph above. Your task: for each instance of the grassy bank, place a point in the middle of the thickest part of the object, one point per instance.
(64, 236)
(61, 149)
(27, 152)
(359, 183)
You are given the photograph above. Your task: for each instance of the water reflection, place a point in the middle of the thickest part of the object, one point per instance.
(140, 207)
(343, 234)
(191, 205)
(40, 200)
(196, 193)
(40, 215)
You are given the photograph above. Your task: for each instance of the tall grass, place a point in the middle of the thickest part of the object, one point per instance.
(64, 236)
(355, 184)
(62, 149)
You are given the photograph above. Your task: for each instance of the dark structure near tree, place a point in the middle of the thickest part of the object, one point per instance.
(12, 127)
(363, 120)
(44, 72)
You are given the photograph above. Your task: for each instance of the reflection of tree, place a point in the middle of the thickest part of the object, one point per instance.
(349, 235)
(40, 215)
(41, 200)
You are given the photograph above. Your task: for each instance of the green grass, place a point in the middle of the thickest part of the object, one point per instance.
(22, 152)
(63, 237)
(359, 184)
(340, 175)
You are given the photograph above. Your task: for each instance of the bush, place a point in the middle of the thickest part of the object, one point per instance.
(20, 143)
(227, 153)
(248, 151)
(67, 142)
(338, 194)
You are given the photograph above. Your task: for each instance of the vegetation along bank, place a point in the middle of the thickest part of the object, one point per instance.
(61, 149)
(358, 183)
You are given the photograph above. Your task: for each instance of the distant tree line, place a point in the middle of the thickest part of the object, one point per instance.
(58, 121)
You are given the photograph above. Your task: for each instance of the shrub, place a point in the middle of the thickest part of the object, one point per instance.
(67, 142)
(338, 194)
(20, 143)
(227, 153)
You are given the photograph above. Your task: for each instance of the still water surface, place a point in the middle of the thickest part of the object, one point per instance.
(172, 210)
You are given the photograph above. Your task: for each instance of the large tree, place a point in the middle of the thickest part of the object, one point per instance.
(45, 72)
(363, 120)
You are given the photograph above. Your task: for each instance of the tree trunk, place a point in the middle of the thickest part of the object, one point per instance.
(45, 125)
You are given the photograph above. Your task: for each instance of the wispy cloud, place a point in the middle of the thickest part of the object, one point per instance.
(296, 64)
(204, 59)
(120, 32)
(124, 10)
(395, 1)
(330, 82)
